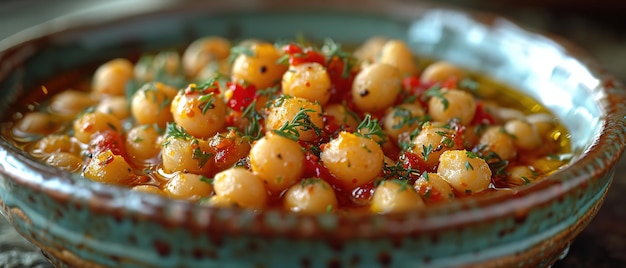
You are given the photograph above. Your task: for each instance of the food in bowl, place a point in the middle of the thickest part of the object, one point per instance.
(306, 127)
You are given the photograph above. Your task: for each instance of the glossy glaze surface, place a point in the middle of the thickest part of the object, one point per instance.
(78, 222)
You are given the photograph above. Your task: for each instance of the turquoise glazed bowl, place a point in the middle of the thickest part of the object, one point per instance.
(79, 223)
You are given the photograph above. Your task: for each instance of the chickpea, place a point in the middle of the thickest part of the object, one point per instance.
(37, 123)
(433, 188)
(115, 105)
(354, 160)
(151, 104)
(312, 195)
(65, 161)
(376, 87)
(201, 115)
(395, 196)
(229, 148)
(151, 189)
(56, 143)
(542, 122)
(204, 51)
(187, 155)
(240, 187)
(142, 143)
(309, 81)
(111, 78)
(89, 123)
(396, 53)
(465, 172)
(495, 139)
(106, 167)
(285, 109)
(452, 104)
(520, 175)
(188, 186)
(261, 68)
(546, 165)
(431, 142)
(525, 135)
(341, 116)
(277, 161)
(370, 50)
(403, 118)
(70, 103)
(440, 72)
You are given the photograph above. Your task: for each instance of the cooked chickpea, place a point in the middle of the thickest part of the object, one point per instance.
(201, 115)
(433, 188)
(239, 187)
(396, 53)
(524, 134)
(277, 161)
(402, 119)
(90, 123)
(376, 87)
(188, 186)
(106, 167)
(151, 104)
(37, 123)
(495, 139)
(284, 110)
(151, 189)
(543, 123)
(354, 160)
(452, 104)
(56, 143)
(187, 155)
(441, 71)
(342, 116)
(370, 50)
(395, 196)
(64, 161)
(312, 195)
(261, 68)
(204, 51)
(142, 143)
(111, 78)
(115, 105)
(309, 81)
(70, 103)
(520, 175)
(465, 172)
(431, 142)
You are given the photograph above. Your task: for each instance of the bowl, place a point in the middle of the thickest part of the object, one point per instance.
(79, 223)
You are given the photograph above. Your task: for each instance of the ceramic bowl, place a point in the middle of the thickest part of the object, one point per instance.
(79, 223)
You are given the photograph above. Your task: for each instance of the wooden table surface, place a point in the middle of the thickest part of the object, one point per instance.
(601, 33)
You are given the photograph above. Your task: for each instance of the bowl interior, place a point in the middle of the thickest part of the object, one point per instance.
(532, 63)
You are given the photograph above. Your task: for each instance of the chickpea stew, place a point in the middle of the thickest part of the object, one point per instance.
(310, 128)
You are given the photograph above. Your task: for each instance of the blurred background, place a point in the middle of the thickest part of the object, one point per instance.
(599, 27)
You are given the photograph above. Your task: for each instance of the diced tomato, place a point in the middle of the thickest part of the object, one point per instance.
(292, 49)
(341, 83)
(481, 116)
(241, 96)
(313, 167)
(363, 193)
(107, 140)
(413, 161)
(307, 56)
(450, 83)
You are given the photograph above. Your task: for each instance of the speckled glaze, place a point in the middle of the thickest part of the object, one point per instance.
(78, 223)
